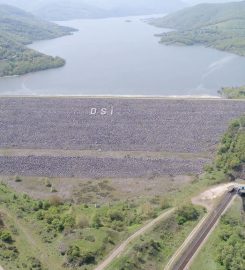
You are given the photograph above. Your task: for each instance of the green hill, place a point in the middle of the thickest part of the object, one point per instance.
(17, 29)
(221, 26)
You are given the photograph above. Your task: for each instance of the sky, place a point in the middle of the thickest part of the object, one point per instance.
(209, 1)
(30, 4)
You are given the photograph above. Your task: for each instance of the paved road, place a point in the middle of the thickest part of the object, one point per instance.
(123, 246)
(202, 233)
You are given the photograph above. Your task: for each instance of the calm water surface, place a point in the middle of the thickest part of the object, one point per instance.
(116, 57)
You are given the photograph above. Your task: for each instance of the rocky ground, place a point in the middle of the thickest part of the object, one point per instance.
(104, 124)
(97, 167)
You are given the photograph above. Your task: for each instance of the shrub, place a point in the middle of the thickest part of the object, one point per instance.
(96, 222)
(82, 222)
(58, 225)
(35, 263)
(48, 183)
(147, 210)
(242, 121)
(1, 222)
(40, 215)
(187, 213)
(55, 200)
(68, 221)
(88, 258)
(18, 179)
(53, 189)
(5, 236)
(46, 205)
(208, 168)
(90, 238)
(164, 204)
(37, 205)
(73, 254)
(115, 215)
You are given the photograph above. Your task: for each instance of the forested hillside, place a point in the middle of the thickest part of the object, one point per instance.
(17, 29)
(221, 26)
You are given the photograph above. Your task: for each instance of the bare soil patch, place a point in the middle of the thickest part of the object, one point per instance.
(209, 197)
(100, 190)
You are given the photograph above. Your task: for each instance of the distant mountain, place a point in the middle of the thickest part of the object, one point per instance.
(221, 26)
(195, 2)
(18, 28)
(73, 9)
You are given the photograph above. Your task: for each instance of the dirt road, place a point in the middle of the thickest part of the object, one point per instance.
(123, 246)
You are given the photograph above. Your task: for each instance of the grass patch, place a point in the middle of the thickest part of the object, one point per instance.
(63, 234)
(154, 249)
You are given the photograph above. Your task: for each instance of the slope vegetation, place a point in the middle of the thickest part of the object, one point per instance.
(17, 29)
(221, 26)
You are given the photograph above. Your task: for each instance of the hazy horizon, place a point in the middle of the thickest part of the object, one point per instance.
(74, 9)
(62, 10)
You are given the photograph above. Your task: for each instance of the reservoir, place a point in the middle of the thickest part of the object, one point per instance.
(123, 56)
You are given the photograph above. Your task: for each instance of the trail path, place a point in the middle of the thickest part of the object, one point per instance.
(124, 245)
(34, 244)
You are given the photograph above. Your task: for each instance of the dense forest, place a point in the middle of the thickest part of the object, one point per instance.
(17, 29)
(220, 26)
(230, 158)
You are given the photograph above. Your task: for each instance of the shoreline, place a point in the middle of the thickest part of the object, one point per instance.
(135, 97)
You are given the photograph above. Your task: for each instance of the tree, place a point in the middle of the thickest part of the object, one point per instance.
(187, 213)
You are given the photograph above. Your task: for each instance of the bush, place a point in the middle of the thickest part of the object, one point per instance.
(48, 183)
(76, 258)
(58, 225)
(18, 179)
(115, 215)
(242, 121)
(88, 258)
(35, 263)
(55, 200)
(187, 213)
(82, 222)
(96, 222)
(1, 222)
(148, 210)
(68, 221)
(5, 236)
(90, 238)
(164, 204)
(208, 168)
(40, 215)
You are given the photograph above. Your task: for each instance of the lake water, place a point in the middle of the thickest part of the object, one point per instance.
(117, 57)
